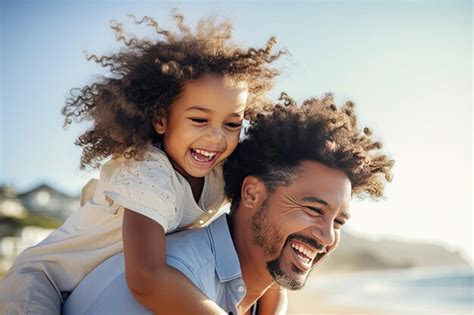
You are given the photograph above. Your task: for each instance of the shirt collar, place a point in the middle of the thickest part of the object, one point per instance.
(227, 261)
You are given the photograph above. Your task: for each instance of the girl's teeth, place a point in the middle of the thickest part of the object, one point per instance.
(200, 155)
(206, 153)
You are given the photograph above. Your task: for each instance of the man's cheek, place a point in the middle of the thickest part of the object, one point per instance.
(300, 220)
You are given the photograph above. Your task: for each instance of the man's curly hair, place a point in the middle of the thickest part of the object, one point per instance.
(279, 140)
(146, 76)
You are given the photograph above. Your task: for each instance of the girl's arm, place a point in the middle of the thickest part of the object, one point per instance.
(274, 301)
(153, 283)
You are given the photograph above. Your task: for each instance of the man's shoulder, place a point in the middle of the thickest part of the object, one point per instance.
(192, 253)
(193, 248)
(206, 255)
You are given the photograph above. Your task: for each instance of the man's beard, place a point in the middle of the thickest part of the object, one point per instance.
(284, 279)
(268, 236)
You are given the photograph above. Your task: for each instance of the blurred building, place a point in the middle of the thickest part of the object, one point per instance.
(10, 205)
(49, 201)
(26, 218)
(11, 246)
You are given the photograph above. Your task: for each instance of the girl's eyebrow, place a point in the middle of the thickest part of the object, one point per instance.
(207, 110)
(239, 114)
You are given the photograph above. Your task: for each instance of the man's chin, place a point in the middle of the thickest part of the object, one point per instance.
(295, 279)
(292, 279)
(290, 283)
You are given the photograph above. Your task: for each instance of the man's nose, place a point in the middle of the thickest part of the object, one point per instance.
(325, 234)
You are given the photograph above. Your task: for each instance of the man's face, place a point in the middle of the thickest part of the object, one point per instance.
(299, 224)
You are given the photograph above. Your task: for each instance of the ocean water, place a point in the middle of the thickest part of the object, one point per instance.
(407, 292)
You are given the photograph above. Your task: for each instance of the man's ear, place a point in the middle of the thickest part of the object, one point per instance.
(253, 192)
(160, 123)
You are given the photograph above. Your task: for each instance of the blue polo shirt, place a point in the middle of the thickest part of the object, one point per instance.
(206, 256)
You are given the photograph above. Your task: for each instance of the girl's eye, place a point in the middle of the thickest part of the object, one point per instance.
(198, 120)
(233, 125)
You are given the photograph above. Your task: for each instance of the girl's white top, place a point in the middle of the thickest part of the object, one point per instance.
(94, 233)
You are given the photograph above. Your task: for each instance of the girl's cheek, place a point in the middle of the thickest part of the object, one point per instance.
(234, 141)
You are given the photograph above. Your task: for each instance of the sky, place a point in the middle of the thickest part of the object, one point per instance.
(407, 65)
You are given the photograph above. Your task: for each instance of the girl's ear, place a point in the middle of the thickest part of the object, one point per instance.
(160, 123)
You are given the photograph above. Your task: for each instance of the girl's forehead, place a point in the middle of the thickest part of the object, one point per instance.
(235, 82)
(218, 81)
(215, 87)
(212, 93)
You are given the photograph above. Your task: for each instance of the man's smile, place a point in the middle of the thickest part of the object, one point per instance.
(306, 252)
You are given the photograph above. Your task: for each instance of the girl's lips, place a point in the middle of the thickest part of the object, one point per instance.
(202, 160)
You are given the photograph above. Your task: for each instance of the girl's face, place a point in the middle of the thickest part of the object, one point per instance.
(202, 126)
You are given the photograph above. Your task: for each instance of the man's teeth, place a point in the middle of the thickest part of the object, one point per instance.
(306, 252)
(206, 153)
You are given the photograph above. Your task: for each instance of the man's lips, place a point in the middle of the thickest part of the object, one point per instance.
(303, 250)
(306, 255)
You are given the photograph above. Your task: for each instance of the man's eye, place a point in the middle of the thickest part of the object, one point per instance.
(233, 125)
(315, 210)
(198, 120)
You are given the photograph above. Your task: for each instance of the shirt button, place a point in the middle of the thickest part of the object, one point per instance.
(240, 289)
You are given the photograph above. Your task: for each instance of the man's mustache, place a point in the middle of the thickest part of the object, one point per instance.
(302, 238)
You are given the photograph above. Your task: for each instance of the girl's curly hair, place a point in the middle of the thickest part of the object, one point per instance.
(279, 140)
(147, 76)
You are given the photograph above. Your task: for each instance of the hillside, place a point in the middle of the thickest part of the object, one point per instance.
(356, 254)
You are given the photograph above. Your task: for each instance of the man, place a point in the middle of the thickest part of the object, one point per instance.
(290, 183)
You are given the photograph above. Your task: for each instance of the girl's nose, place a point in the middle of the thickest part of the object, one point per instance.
(216, 135)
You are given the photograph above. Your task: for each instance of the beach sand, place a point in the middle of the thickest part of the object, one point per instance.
(305, 302)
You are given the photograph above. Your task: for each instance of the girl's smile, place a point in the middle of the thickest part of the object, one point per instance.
(202, 126)
(204, 157)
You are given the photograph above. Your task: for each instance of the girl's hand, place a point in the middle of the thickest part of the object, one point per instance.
(273, 302)
(154, 284)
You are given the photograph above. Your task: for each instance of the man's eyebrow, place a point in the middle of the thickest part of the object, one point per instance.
(207, 110)
(323, 202)
(316, 199)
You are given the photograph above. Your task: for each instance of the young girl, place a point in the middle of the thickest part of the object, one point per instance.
(168, 115)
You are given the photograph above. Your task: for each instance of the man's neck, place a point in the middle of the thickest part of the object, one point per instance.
(254, 274)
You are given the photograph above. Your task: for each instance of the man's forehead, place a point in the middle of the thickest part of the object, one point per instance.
(319, 183)
(314, 171)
